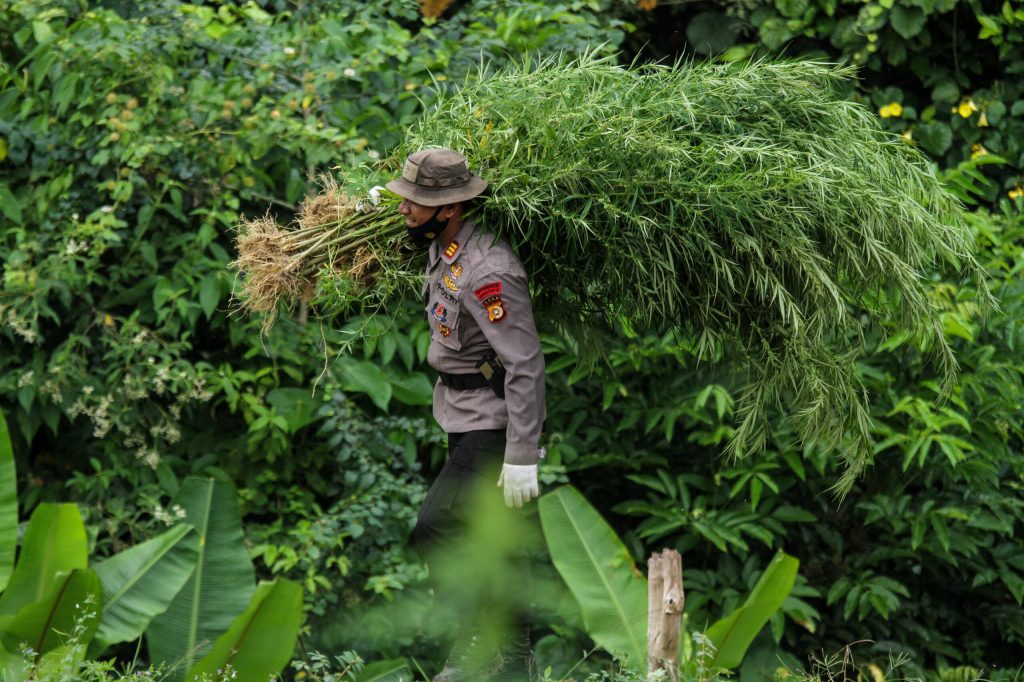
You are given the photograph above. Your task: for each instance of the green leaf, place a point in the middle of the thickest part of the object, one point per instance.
(296, 405)
(385, 671)
(934, 137)
(792, 9)
(42, 32)
(140, 583)
(366, 377)
(259, 643)
(8, 504)
(209, 295)
(9, 204)
(945, 91)
(219, 588)
(907, 20)
(46, 623)
(54, 542)
(733, 634)
(711, 33)
(13, 667)
(597, 567)
(64, 92)
(414, 389)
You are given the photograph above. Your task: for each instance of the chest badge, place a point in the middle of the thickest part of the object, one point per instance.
(439, 312)
(490, 296)
(444, 329)
(456, 270)
(449, 282)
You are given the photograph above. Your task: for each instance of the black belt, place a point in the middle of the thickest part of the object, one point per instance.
(464, 382)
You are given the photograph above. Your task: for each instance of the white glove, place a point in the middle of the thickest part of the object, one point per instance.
(374, 194)
(520, 483)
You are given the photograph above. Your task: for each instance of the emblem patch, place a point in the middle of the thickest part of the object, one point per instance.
(451, 249)
(446, 294)
(456, 270)
(490, 296)
(449, 282)
(444, 329)
(439, 312)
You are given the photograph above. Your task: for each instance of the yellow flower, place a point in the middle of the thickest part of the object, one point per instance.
(891, 110)
(966, 108)
(978, 150)
(908, 135)
(983, 120)
(1016, 192)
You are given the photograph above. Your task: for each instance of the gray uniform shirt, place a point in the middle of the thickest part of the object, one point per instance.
(478, 300)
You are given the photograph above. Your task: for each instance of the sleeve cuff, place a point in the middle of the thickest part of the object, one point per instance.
(520, 453)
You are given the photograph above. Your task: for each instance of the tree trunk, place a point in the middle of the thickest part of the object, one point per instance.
(664, 611)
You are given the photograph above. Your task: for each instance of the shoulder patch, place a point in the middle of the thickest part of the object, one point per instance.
(451, 251)
(490, 296)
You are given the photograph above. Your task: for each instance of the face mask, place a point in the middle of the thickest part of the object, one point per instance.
(421, 235)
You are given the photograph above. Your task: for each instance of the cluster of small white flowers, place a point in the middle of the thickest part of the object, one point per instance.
(22, 329)
(51, 390)
(148, 456)
(167, 431)
(100, 417)
(139, 338)
(169, 517)
(77, 408)
(74, 246)
(134, 389)
(26, 378)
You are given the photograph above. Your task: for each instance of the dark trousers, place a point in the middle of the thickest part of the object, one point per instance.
(474, 546)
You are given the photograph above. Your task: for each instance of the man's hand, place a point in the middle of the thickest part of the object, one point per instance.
(520, 483)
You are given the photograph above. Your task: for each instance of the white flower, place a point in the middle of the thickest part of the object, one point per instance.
(26, 378)
(373, 154)
(107, 209)
(289, 51)
(349, 72)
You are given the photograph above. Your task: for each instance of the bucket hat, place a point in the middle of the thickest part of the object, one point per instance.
(435, 177)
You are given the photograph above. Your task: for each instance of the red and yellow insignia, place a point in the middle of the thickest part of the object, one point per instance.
(490, 296)
(451, 249)
(444, 329)
(456, 270)
(449, 282)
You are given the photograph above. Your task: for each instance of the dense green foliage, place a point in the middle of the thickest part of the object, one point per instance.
(944, 73)
(132, 135)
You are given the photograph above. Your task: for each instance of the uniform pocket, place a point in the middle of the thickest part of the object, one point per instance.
(444, 323)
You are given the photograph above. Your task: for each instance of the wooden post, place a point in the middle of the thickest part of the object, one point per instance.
(664, 612)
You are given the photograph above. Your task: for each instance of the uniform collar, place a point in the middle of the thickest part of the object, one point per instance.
(449, 253)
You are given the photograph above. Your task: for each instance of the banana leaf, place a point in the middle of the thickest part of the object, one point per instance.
(259, 643)
(8, 505)
(219, 588)
(597, 568)
(54, 542)
(139, 584)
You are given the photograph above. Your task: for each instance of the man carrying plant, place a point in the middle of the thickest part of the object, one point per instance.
(489, 397)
